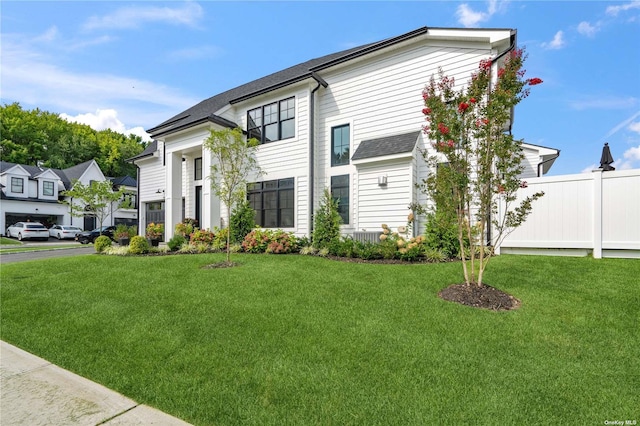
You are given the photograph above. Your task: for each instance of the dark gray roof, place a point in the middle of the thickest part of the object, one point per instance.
(389, 145)
(124, 181)
(148, 151)
(204, 111)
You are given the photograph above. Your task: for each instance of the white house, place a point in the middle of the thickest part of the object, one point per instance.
(349, 121)
(32, 193)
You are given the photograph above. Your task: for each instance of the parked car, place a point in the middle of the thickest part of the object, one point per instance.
(64, 231)
(86, 237)
(28, 231)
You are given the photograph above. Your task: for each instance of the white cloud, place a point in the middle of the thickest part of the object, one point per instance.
(614, 10)
(106, 119)
(622, 125)
(48, 36)
(135, 17)
(590, 168)
(635, 127)
(28, 76)
(586, 29)
(557, 42)
(471, 18)
(632, 154)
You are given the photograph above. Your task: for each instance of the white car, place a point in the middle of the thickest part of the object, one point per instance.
(28, 231)
(64, 231)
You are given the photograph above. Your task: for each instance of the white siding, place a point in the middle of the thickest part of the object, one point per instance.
(384, 204)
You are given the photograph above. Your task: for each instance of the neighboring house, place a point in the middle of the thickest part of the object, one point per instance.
(32, 193)
(349, 121)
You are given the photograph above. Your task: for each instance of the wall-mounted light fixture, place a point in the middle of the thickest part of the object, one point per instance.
(382, 180)
(160, 191)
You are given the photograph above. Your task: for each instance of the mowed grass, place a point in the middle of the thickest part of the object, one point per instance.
(305, 340)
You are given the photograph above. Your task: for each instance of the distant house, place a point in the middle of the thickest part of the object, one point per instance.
(32, 193)
(349, 121)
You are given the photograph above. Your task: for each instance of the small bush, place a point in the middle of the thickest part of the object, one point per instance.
(116, 251)
(326, 222)
(202, 236)
(176, 242)
(270, 241)
(184, 229)
(138, 245)
(242, 222)
(441, 233)
(220, 240)
(101, 243)
(435, 255)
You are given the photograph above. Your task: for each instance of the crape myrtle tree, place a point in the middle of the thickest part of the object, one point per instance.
(94, 199)
(233, 161)
(475, 160)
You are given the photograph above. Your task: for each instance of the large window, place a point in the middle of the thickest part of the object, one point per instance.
(47, 188)
(272, 122)
(17, 185)
(340, 145)
(340, 193)
(197, 165)
(273, 203)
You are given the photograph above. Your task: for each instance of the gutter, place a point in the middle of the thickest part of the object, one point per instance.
(312, 126)
(540, 164)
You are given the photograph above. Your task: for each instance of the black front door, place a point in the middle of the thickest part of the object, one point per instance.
(199, 205)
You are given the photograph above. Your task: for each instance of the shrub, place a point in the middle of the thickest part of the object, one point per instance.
(242, 222)
(155, 231)
(220, 238)
(176, 242)
(326, 222)
(441, 233)
(101, 243)
(138, 245)
(435, 255)
(122, 231)
(368, 251)
(202, 236)
(270, 241)
(184, 229)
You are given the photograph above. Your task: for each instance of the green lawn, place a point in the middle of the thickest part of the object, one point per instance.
(305, 340)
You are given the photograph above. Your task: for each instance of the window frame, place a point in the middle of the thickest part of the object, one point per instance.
(280, 193)
(45, 184)
(257, 125)
(15, 183)
(345, 213)
(197, 168)
(334, 161)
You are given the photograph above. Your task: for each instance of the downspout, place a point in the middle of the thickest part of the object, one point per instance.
(493, 61)
(546, 161)
(312, 132)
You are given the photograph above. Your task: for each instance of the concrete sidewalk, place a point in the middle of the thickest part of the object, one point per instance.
(35, 392)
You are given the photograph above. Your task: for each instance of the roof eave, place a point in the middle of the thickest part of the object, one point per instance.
(211, 118)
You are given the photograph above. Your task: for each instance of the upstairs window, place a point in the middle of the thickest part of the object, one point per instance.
(272, 122)
(340, 145)
(273, 203)
(17, 185)
(47, 188)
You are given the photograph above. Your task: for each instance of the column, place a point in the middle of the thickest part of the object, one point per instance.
(173, 193)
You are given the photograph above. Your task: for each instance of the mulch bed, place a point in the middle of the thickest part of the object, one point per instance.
(484, 297)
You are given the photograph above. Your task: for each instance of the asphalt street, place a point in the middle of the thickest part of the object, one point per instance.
(70, 249)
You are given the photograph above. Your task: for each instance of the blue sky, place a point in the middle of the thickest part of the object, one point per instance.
(130, 65)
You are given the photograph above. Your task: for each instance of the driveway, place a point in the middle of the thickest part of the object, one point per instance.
(71, 248)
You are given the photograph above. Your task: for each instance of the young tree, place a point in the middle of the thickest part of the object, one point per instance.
(95, 199)
(234, 160)
(477, 163)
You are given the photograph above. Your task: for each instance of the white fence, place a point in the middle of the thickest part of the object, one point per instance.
(595, 213)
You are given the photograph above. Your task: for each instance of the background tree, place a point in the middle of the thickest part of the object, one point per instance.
(234, 160)
(476, 161)
(32, 137)
(94, 199)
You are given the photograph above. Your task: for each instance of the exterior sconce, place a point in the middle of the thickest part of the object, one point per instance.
(382, 180)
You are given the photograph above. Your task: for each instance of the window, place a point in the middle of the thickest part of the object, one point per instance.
(340, 145)
(197, 165)
(340, 193)
(272, 202)
(17, 185)
(47, 188)
(272, 122)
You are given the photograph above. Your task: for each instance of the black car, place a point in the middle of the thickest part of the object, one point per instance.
(86, 237)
